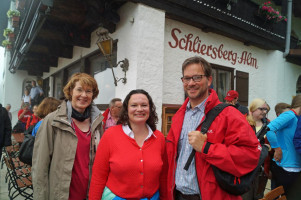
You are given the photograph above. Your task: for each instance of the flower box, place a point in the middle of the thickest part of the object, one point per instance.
(269, 14)
(15, 21)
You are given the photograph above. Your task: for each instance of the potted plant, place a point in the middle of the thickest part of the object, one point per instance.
(9, 34)
(6, 44)
(269, 14)
(14, 15)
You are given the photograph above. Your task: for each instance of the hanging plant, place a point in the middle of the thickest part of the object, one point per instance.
(7, 31)
(6, 44)
(13, 13)
(269, 13)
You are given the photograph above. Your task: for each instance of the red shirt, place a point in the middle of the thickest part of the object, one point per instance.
(25, 117)
(80, 171)
(35, 119)
(128, 170)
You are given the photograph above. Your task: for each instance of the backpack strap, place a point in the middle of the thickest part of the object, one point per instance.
(209, 118)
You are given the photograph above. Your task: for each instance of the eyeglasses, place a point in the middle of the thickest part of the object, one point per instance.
(196, 78)
(81, 91)
(263, 109)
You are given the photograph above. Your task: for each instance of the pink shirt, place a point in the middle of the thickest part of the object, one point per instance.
(110, 121)
(80, 171)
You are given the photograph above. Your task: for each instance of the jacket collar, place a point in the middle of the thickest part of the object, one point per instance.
(65, 110)
(177, 120)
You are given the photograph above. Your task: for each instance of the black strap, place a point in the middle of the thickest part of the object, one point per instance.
(209, 118)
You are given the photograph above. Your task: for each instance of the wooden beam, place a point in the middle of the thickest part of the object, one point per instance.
(295, 52)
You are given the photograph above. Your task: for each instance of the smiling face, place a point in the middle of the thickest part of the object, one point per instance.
(138, 109)
(81, 97)
(196, 91)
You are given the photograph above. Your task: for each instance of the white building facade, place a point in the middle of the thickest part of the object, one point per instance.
(156, 47)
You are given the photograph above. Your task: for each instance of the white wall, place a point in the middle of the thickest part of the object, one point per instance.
(273, 79)
(140, 35)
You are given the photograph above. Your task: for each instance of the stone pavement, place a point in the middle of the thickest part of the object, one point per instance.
(4, 191)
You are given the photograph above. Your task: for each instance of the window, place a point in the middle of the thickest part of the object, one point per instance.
(242, 87)
(168, 111)
(298, 86)
(222, 80)
(58, 85)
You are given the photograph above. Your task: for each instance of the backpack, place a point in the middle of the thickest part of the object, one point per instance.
(228, 182)
(19, 127)
(26, 148)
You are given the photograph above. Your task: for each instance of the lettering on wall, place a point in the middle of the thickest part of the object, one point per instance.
(194, 44)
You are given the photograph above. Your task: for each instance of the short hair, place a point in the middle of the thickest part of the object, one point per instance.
(26, 104)
(198, 60)
(153, 118)
(8, 105)
(296, 102)
(34, 82)
(280, 107)
(113, 101)
(85, 80)
(256, 103)
(48, 105)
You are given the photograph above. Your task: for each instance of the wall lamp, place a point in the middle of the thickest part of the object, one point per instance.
(105, 44)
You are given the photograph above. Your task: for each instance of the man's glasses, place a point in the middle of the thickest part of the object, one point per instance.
(196, 78)
(263, 109)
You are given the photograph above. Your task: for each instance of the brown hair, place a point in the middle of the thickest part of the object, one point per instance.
(48, 105)
(280, 107)
(153, 118)
(198, 60)
(296, 102)
(85, 80)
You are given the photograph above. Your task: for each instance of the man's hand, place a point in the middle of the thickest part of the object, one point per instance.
(196, 139)
(278, 154)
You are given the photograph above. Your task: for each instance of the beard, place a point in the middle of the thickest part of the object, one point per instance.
(201, 92)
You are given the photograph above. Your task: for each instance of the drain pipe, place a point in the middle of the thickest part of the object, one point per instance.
(288, 28)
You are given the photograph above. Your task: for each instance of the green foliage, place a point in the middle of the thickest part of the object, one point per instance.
(7, 31)
(12, 13)
(5, 43)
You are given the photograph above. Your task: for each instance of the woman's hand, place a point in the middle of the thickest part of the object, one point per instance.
(278, 154)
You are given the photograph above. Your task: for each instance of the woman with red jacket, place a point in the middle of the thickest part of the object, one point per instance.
(129, 160)
(34, 117)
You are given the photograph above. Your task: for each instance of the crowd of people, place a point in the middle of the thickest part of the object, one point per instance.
(80, 153)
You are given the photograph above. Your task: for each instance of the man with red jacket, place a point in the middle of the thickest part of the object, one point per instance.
(230, 143)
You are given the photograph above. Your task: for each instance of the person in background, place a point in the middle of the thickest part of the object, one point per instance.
(26, 98)
(281, 107)
(111, 115)
(33, 119)
(66, 143)
(229, 144)
(232, 98)
(286, 165)
(5, 129)
(35, 93)
(8, 107)
(24, 114)
(48, 105)
(129, 161)
(258, 110)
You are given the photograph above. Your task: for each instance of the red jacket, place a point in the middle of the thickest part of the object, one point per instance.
(234, 148)
(105, 117)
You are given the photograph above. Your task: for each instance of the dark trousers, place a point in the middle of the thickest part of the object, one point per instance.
(180, 196)
(284, 178)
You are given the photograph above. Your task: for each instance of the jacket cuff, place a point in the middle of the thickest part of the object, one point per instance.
(206, 148)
